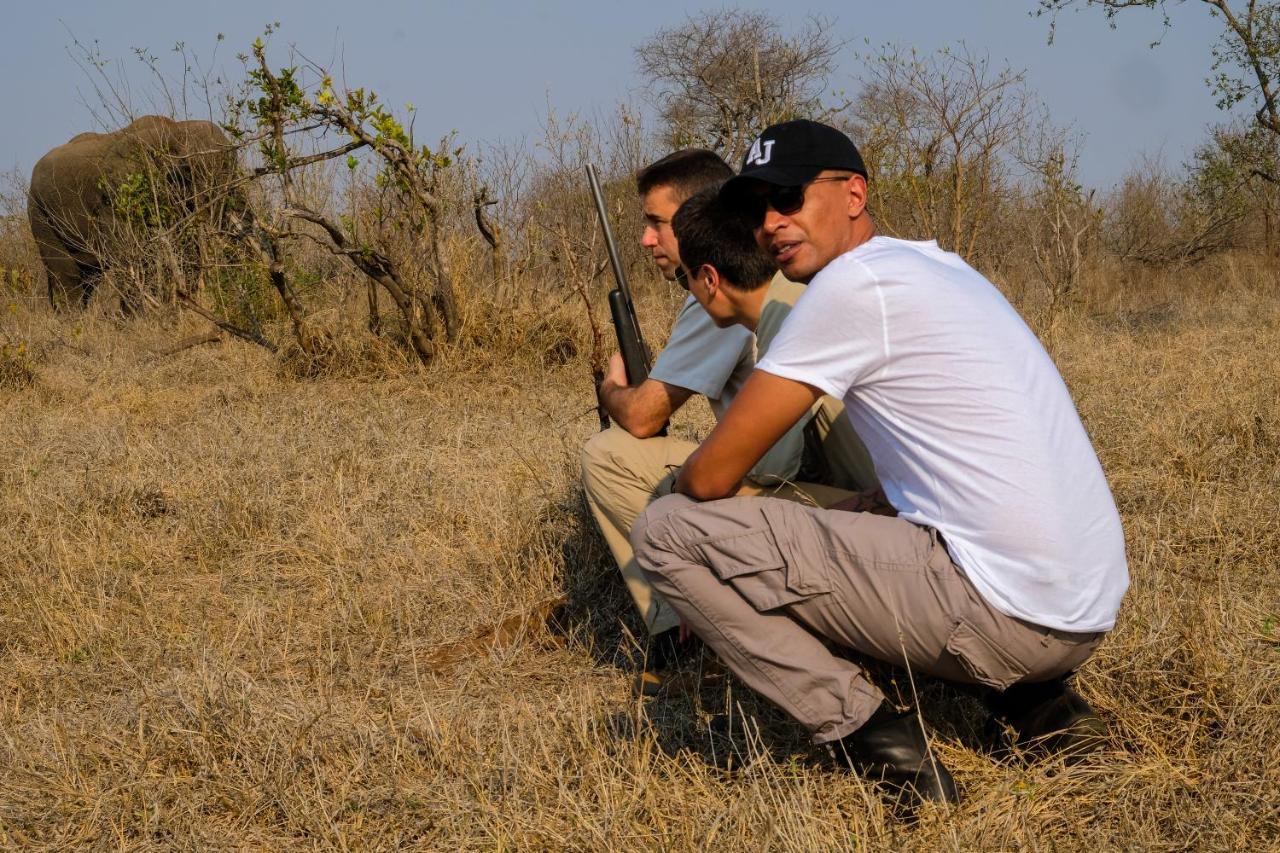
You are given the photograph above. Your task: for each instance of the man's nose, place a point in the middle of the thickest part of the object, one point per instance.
(773, 220)
(649, 237)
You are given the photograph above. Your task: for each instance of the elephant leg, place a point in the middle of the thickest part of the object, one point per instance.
(67, 284)
(89, 279)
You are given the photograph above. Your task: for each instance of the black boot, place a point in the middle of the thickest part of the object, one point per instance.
(891, 749)
(1049, 717)
(665, 654)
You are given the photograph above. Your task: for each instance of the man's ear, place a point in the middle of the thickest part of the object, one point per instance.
(856, 188)
(711, 276)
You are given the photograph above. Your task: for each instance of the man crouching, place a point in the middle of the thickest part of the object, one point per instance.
(1004, 566)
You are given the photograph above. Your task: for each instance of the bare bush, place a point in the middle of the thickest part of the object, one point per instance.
(722, 77)
(938, 132)
(1055, 218)
(272, 111)
(1155, 219)
(18, 253)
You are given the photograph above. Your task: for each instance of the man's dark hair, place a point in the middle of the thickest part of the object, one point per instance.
(710, 232)
(685, 171)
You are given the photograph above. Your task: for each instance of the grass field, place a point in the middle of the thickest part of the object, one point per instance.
(246, 610)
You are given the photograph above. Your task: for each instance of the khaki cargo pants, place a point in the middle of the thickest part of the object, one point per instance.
(761, 580)
(622, 474)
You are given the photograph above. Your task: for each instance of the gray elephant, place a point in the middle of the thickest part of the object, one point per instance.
(152, 173)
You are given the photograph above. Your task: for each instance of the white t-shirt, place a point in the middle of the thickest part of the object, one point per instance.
(972, 430)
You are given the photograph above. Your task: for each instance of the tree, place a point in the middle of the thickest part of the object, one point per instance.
(275, 107)
(1059, 219)
(937, 132)
(1231, 173)
(1246, 59)
(722, 77)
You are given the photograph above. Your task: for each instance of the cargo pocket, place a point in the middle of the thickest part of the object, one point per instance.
(984, 661)
(758, 569)
(804, 545)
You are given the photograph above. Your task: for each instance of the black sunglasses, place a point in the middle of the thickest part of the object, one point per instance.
(785, 200)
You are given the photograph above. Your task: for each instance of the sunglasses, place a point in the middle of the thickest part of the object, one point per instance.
(785, 200)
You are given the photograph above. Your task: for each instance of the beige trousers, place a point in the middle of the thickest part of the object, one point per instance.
(761, 581)
(833, 441)
(622, 474)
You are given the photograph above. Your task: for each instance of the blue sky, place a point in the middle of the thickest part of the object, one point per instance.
(488, 69)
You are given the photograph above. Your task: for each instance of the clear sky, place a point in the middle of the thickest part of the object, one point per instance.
(488, 69)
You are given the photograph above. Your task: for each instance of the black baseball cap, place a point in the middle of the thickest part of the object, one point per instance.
(793, 153)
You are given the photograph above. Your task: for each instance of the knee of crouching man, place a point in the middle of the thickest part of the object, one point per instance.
(647, 539)
(597, 452)
(603, 454)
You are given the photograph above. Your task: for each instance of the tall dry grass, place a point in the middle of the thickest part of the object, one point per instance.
(239, 608)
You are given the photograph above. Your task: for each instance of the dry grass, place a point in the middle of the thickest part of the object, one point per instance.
(242, 609)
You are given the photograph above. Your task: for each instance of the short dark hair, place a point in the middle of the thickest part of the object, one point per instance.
(711, 232)
(686, 171)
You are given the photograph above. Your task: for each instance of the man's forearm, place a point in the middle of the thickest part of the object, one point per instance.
(761, 413)
(704, 482)
(643, 410)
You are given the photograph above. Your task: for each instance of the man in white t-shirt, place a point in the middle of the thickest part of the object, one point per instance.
(1004, 566)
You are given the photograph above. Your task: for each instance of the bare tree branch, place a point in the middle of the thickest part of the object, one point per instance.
(244, 334)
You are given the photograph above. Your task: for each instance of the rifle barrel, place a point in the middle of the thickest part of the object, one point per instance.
(615, 260)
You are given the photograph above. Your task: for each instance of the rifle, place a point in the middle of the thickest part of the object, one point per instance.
(635, 355)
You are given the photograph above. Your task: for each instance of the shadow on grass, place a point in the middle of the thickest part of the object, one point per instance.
(703, 711)
(705, 716)
(597, 614)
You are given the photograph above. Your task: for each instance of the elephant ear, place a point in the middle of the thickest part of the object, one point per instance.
(65, 185)
(63, 204)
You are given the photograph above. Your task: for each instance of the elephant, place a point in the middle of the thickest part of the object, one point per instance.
(150, 173)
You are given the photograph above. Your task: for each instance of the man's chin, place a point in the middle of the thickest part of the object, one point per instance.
(797, 272)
